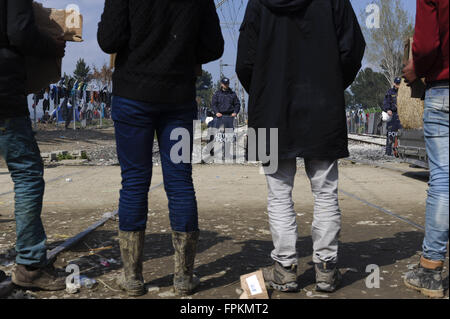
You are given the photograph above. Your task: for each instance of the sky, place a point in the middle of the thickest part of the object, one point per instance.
(92, 10)
(231, 12)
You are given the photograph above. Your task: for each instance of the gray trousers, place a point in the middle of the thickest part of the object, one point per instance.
(326, 226)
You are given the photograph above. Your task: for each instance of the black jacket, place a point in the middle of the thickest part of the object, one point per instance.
(296, 58)
(390, 100)
(19, 37)
(390, 104)
(225, 102)
(158, 45)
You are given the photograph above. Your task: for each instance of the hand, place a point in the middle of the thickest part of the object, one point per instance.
(60, 47)
(219, 114)
(409, 73)
(234, 115)
(389, 113)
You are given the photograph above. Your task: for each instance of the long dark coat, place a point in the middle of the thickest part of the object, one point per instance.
(296, 58)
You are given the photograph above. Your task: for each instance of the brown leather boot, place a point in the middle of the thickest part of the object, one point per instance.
(46, 278)
(427, 278)
(131, 250)
(185, 245)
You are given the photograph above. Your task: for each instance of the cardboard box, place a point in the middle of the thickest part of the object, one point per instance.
(254, 286)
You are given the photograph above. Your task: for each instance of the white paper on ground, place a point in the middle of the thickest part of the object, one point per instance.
(253, 285)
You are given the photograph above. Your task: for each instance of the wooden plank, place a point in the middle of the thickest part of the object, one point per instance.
(74, 240)
(7, 285)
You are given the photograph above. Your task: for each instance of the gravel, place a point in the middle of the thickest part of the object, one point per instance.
(107, 155)
(370, 152)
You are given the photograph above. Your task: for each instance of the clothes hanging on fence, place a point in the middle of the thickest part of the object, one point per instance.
(46, 102)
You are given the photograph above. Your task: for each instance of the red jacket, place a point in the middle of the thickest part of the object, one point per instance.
(430, 48)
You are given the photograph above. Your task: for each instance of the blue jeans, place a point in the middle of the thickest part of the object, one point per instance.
(226, 120)
(19, 149)
(436, 139)
(136, 124)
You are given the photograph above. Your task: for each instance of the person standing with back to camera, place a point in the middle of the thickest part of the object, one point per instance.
(159, 44)
(20, 37)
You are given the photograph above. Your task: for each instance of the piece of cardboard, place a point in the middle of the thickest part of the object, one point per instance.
(254, 286)
(41, 72)
(57, 22)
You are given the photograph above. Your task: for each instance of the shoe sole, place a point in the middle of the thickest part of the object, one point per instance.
(426, 292)
(325, 289)
(183, 293)
(133, 293)
(31, 285)
(328, 288)
(289, 287)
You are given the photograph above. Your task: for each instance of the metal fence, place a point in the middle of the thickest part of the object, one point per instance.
(360, 123)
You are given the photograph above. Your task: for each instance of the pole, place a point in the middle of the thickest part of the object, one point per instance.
(218, 5)
(74, 118)
(56, 104)
(101, 115)
(35, 107)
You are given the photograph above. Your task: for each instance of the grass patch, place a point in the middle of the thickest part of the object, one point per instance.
(62, 157)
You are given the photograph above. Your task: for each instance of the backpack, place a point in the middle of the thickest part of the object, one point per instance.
(3, 21)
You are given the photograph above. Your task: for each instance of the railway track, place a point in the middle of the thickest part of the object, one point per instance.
(368, 139)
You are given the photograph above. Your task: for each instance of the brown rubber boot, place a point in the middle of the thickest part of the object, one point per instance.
(427, 278)
(185, 245)
(46, 278)
(131, 250)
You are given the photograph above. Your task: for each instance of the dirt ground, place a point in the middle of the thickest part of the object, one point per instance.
(51, 139)
(235, 236)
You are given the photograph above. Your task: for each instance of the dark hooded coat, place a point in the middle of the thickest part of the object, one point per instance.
(295, 59)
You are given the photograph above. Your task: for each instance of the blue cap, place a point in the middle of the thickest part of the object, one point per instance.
(226, 81)
(398, 80)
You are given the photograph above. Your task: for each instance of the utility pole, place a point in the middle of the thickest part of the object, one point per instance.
(221, 68)
(219, 4)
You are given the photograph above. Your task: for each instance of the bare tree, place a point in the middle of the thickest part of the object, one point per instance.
(103, 77)
(386, 43)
